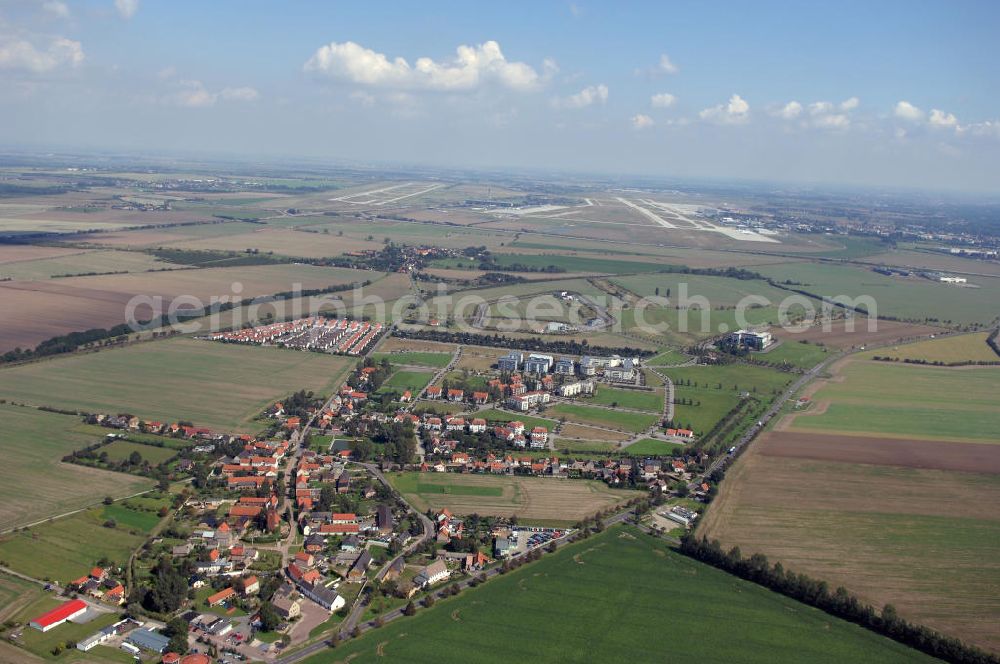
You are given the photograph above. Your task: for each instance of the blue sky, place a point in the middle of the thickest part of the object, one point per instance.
(875, 93)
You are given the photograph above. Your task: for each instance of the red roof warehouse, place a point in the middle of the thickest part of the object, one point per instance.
(59, 615)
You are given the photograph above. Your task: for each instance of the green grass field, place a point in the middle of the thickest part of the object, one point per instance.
(667, 358)
(583, 446)
(635, 399)
(83, 263)
(713, 387)
(653, 447)
(961, 348)
(122, 449)
(64, 549)
(684, 326)
(910, 401)
(603, 417)
(911, 298)
(423, 359)
(403, 380)
(129, 518)
(531, 499)
(718, 291)
(502, 416)
(220, 386)
(34, 483)
(619, 592)
(795, 353)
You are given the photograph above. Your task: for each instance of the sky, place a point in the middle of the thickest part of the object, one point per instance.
(884, 93)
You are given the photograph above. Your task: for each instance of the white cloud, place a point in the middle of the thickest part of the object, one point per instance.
(662, 100)
(665, 65)
(832, 121)
(907, 111)
(939, 118)
(592, 94)
(194, 94)
(127, 8)
(239, 94)
(850, 104)
(790, 111)
(642, 121)
(56, 8)
(18, 53)
(473, 66)
(736, 111)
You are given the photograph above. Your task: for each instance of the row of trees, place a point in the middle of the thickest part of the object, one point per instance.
(839, 603)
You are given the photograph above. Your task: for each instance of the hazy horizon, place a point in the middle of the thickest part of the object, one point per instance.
(873, 96)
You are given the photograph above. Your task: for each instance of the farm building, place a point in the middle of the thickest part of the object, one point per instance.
(57, 616)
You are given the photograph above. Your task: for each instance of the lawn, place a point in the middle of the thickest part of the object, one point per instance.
(634, 399)
(603, 417)
(66, 548)
(615, 593)
(653, 447)
(898, 400)
(34, 483)
(947, 350)
(423, 359)
(220, 386)
(123, 449)
(536, 499)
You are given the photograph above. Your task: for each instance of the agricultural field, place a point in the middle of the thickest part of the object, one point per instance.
(569, 430)
(43, 309)
(83, 262)
(64, 549)
(634, 399)
(570, 446)
(220, 386)
(912, 298)
(905, 401)
(926, 541)
(857, 333)
(533, 499)
(280, 241)
(685, 326)
(603, 417)
(34, 483)
(947, 350)
(421, 359)
(557, 610)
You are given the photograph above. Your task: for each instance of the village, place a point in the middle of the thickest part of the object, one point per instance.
(296, 530)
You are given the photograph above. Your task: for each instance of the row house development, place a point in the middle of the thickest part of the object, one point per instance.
(333, 335)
